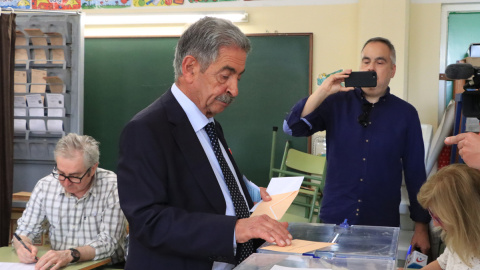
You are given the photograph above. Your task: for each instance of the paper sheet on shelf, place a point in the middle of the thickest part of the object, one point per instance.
(56, 39)
(20, 125)
(21, 56)
(39, 84)
(20, 39)
(299, 246)
(20, 80)
(55, 101)
(17, 266)
(58, 56)
(37, 36)
(35, 105)
(283, 191)
(56, 84)
(37, 125)
(55, 126)
(19, 106)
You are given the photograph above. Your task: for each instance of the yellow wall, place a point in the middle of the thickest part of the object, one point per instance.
(339, 31)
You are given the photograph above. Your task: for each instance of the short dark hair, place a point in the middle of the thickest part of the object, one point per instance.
(393, 55)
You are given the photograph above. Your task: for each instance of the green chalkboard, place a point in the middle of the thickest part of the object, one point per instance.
(124, 75)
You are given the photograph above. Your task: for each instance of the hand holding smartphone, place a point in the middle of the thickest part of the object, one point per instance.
(361, 79)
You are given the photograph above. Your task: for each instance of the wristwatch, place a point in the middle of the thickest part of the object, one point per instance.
(75, 254)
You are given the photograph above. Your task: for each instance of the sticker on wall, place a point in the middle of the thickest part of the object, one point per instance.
(157, 3)
(23, 4)
(56, 4)
(89, 4)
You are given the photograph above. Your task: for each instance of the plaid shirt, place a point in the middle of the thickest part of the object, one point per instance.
(95, 220)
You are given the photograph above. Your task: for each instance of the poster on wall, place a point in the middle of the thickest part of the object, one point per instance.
(23, 4)
(89, 4)
(209, 1)
(157, 3)
(55, 4)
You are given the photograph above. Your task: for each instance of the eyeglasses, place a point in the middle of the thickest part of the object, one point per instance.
(363, 119)
(435, 218)
(72, 179)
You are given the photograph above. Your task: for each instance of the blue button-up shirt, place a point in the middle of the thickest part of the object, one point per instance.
(365, 164)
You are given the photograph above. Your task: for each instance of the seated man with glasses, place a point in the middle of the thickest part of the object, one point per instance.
(373, 139)
(80, 202)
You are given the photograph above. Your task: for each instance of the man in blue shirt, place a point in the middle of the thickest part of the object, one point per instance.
(372, 138)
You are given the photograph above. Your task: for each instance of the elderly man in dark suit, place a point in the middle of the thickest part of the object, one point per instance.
(184, 197)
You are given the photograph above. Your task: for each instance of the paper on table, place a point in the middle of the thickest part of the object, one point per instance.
(39, 84)
(278, 267)
(299, 246)
(17, 266)
(20, 80)
(277, 186)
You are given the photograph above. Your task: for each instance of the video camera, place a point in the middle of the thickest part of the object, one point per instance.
(471, 96)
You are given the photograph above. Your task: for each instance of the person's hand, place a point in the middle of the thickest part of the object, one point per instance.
(333, 83)
(263, 227)
(420, 238)
(54, 259)
(329, 86)
(264, 194)
(25, 256)
(468, 147)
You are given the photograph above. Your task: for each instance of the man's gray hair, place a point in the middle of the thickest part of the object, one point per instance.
(393, 54)
(85, 144)
(203, 40)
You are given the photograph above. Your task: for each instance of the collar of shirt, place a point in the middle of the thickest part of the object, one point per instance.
(361, 95)
(197, 119)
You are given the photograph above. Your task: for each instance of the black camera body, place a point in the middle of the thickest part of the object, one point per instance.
(471, 96)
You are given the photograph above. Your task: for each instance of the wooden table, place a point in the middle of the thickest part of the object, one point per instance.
(7, 254)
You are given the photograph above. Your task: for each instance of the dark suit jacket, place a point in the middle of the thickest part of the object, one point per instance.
(169, 193)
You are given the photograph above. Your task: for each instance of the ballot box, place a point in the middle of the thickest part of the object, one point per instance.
(373, 243)
(264, 261)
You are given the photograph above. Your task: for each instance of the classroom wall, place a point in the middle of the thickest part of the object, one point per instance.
(339, 31)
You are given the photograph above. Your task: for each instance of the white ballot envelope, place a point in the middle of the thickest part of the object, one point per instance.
(283, 191)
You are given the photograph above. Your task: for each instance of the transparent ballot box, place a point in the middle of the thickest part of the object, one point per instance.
(364, 242)
(263, 261)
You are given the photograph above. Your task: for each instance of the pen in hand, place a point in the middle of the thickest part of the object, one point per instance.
(23, 244)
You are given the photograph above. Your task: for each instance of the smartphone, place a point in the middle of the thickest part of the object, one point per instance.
(361, 79)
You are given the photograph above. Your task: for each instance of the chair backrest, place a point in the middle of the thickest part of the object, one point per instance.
(305, 162)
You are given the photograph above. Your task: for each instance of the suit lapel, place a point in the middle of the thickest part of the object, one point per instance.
(192, 150)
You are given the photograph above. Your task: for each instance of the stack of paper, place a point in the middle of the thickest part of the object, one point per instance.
(36, 109)
(20, 109)
(56, 108)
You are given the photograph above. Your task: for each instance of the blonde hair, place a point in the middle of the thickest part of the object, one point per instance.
(453, 195)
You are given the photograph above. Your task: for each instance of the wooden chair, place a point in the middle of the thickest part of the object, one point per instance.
(311, 167)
